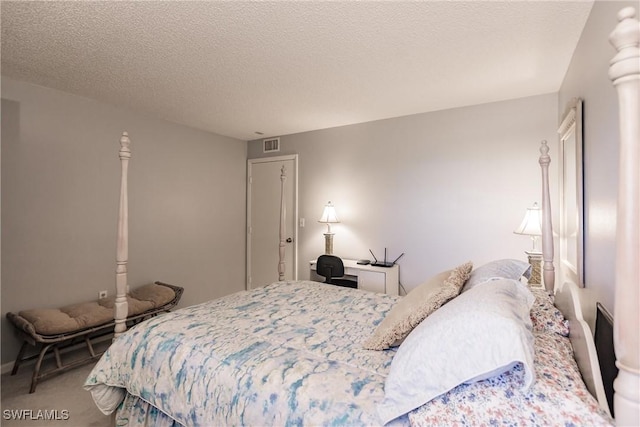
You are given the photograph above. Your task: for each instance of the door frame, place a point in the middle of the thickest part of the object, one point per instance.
(293, 175)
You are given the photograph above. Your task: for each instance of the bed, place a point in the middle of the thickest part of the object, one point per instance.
(487, 349)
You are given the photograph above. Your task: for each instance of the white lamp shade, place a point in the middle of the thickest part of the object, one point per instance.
(532, 222)
(329, 214)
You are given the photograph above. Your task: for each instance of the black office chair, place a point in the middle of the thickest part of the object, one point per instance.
(332, 268)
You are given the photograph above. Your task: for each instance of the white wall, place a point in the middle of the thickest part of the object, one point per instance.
(587, 78)
(60, 189)
(443, 187)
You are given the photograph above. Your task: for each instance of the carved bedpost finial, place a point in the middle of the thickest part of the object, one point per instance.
(125, 142)
(125, 145)
(625, 38)
(544, 153)
(625, 33)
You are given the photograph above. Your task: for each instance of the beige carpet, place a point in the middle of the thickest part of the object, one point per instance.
(62, 396)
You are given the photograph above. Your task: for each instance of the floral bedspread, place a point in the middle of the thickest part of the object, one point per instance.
(558, 397)
(279, 342)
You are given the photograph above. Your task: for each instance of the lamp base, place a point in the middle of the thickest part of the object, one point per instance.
(328, 243)
(535, 259)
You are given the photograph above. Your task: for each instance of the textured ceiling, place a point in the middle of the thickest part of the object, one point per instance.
(235, 68)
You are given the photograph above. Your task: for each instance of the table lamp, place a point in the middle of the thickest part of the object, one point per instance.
(532, 226)
(328, 217)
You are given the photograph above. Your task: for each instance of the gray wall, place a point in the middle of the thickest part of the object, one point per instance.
(587, 79)
(60, 189)
(443, 187)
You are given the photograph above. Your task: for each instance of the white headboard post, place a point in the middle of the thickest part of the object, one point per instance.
(283, 214)
(122, 246)
(548, 269)
(624, 71)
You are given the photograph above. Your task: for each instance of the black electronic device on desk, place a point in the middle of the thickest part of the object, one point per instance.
(384, 263)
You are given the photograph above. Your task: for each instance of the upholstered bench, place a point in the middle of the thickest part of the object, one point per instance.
(55, 329)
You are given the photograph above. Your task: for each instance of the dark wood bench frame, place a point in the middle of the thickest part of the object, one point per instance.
(73, 339)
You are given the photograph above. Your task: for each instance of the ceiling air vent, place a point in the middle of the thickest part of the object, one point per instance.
(270, 145)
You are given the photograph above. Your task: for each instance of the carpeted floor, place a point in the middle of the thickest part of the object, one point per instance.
(61, 396)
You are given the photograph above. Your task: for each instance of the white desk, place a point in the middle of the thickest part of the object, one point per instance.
(384, 280)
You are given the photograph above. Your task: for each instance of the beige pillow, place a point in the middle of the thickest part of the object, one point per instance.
(416, 306)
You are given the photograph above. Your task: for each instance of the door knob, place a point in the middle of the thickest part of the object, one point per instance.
(289, 240)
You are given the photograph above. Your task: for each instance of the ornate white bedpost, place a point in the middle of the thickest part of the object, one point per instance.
(283, 214)
(624, 71)
(548, 269)
(122, 246)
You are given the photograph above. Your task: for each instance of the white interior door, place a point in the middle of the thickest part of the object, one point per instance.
(263, 219)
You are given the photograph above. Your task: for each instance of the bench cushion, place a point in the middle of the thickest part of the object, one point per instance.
(76, 317)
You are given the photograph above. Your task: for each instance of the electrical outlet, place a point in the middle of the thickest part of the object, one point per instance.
(102, 294)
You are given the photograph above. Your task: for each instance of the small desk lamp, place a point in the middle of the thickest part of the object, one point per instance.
(328, 217)
(532, 226)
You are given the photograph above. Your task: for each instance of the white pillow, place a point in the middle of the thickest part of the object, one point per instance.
(478, 334)
(500, 269)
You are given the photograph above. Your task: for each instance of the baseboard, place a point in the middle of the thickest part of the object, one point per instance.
(6, 368)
